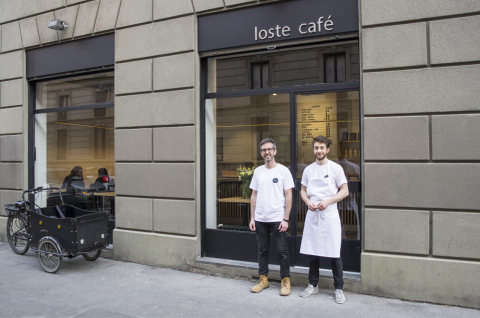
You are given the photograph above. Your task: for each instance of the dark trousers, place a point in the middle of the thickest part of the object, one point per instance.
(314, 271)
(263, 239)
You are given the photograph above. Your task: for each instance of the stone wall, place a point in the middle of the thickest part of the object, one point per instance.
(420, 62)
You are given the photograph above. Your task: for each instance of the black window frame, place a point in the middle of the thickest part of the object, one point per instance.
(293, 91)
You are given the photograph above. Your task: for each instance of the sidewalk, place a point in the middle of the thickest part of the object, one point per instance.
(107, 288)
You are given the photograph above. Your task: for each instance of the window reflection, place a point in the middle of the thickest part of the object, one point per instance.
(76, 91)
(321, 64)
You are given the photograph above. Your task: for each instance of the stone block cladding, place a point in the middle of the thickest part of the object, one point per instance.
(420, 75)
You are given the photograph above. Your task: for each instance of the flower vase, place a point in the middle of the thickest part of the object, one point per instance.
(246, 189)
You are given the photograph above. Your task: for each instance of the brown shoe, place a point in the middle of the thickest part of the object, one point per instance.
(285, 289)
(261, 285)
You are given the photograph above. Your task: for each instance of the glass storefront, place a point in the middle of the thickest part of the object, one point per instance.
(311, 91)
(74, 140)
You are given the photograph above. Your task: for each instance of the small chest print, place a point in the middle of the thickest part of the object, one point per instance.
(275, 180)
(326, 176)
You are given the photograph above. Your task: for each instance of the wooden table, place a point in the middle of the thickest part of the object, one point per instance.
(235, 200)
(105, 194)
(243, 202)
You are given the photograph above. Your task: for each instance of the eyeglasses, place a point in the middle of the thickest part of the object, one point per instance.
(267, 150)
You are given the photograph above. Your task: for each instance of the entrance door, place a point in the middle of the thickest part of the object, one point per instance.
(336, 116)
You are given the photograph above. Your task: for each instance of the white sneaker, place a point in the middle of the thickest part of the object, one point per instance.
(309, 291)
(339, 296)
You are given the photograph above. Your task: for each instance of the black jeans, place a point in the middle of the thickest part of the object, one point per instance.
(263, 239)
(314, 272)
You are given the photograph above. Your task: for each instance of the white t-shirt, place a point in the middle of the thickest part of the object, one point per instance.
(318, 180)
(270, 185)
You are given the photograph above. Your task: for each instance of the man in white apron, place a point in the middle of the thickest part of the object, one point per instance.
(271, 203)
(322, 234)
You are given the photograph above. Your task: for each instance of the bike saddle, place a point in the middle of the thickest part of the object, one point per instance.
(21, 204)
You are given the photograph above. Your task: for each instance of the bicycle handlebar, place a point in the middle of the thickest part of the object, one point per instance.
(36, 190)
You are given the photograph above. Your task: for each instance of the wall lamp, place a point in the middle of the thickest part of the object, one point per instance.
(57, 24)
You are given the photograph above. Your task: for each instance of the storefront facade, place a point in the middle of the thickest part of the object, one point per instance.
(191, 87)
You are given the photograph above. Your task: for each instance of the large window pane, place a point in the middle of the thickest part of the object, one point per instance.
(335, 115)
(325, 63)
(234, 128)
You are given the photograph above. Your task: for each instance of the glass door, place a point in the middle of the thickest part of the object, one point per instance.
(336, 116)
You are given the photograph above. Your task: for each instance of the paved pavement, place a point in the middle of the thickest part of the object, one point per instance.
(107, 288)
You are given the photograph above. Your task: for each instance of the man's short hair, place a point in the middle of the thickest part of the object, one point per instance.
(323, 140)
(264, 141)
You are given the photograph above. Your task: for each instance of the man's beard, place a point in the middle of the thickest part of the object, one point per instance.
(269, 159)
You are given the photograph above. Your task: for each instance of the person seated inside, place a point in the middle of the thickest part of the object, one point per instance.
(74, 180)
(103, 181)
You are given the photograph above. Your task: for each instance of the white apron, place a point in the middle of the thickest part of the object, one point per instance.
(322, 234)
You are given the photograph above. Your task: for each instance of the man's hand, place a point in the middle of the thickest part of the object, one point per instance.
(283, 226)
(323, 205)
(312, 206)
(252, 225)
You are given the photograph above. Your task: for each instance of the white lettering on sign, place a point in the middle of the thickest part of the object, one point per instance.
(272, 32)
(304, 28)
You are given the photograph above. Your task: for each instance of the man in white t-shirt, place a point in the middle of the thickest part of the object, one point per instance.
(271, 203)
(323, 185)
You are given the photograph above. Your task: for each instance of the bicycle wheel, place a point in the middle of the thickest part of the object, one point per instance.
(48, 255)
(92, 256)
(17, 234)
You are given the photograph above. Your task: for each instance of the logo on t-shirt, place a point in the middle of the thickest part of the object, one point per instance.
(326, 176)
(275, 180)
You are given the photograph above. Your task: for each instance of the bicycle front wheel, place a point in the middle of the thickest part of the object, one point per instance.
(49, 255)
(17, 234)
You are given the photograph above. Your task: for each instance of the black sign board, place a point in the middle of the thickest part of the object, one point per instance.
(278, 21)
(71, 56)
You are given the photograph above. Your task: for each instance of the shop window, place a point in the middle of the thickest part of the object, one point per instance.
(260, 77)
(334, 66)
(240, 123)
(303, 106)
(81, 145)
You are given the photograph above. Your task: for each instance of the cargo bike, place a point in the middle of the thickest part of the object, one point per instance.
(55, 232)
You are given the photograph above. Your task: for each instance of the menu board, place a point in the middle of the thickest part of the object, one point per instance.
(317, 116)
